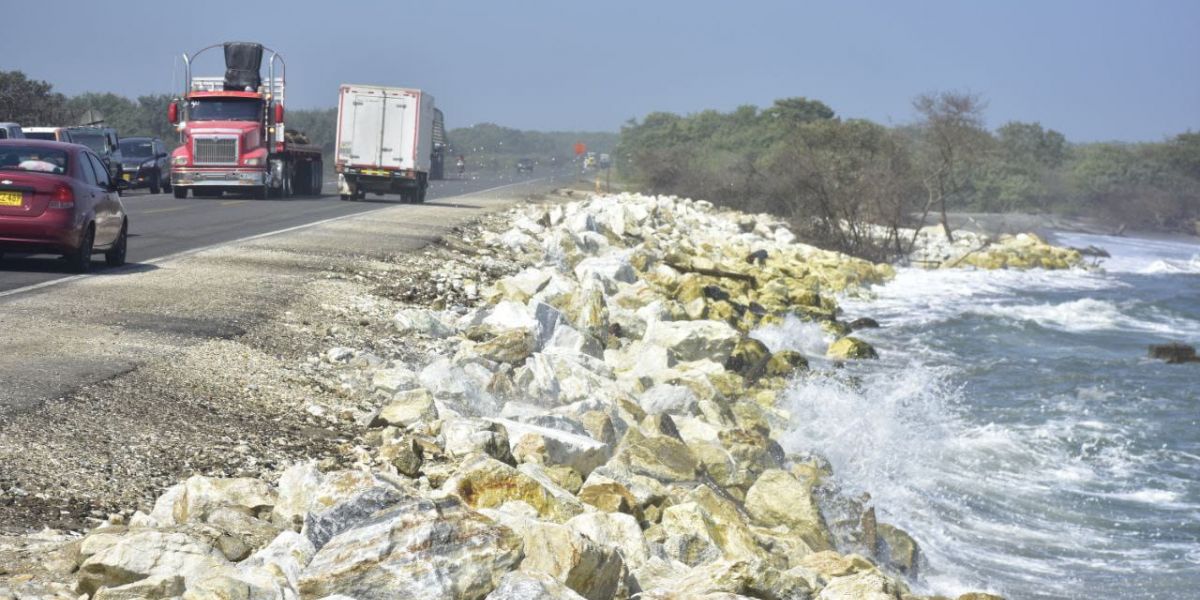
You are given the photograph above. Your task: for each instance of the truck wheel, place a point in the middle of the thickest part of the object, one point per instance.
(302, 179)
(318, 171)
(180, 193)
(421, 194)
(156, 184)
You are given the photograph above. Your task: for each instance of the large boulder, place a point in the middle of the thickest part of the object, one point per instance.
(866, 585)
(484, 482)
(518, 585)
(661, 457)
(465, 436)
(693, 340)
(615, 530)
(149, 553)
(341, 501)
(779, 499)
(416, 549)
(551, 446)
(592, 569)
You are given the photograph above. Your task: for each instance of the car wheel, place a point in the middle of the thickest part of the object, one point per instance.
(80, 261)
(115, 256)
(180, 193)
(156, 184)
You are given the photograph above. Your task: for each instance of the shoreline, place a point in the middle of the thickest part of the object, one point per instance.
(571, 379)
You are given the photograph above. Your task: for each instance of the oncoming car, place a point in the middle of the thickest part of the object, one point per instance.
(58, 198)
(144, 164)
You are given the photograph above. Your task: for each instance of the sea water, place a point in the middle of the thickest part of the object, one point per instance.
(1015, 426)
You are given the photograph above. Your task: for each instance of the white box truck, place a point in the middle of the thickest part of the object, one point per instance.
(385, 141)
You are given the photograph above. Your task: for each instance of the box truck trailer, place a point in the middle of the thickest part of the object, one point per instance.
(387, 142)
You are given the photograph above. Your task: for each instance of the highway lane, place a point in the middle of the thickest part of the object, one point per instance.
(161, 225)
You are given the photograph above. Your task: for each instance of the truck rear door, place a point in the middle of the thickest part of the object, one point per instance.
(398, 131)
(364, 122)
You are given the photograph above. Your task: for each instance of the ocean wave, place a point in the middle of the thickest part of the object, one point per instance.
(1087, 315)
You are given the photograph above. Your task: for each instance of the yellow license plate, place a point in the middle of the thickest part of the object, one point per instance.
(11, 198)
(127, 176)
(374, 172)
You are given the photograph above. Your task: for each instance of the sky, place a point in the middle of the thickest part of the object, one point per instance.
(1095, 70)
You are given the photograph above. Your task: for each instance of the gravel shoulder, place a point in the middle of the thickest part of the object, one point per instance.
(114, 387)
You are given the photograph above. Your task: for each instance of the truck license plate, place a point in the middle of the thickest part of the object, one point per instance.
(11, 198)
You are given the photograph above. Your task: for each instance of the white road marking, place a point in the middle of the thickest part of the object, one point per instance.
(161, 259)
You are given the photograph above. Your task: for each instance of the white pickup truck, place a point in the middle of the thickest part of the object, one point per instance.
(385, 141)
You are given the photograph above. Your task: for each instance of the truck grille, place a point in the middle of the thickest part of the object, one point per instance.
(215, 151)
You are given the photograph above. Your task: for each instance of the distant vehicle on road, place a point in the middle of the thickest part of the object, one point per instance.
(605, 161)
(385, 141)
(104, 142)
(11, 131)
(525, 165)
(53, 134)
(144, 164)
(58, 198)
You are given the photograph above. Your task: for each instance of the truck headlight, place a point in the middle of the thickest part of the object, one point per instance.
(181, 160)
(252, 162)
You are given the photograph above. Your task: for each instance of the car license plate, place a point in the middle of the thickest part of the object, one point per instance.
(127, 176)
(11, 198)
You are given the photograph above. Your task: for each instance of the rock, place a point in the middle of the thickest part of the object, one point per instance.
(344, 499)
(867, 585)
(510, 315)
(609, 496)
(830, 564)
(420, 321)
(779, 499)
(660, 457)
(395, 379)
(785, 363)
(295, 490)
(617, 531)
(898, 548)
(693, 340)
(512, 346)
(749, 358)
(155, 586)
(416, 549)
(1174, 353)
(609, 270)
(339, 355)
(484, 482)
(193, 500)
(555, 447)
(453, 385)
(863, 323)
(593, 570)
(465, 436)
(669, 399)
(599, 426)
(851, 348)
(407, 408)
(148, 553)
(984, 596)
(405, 454)
(517, 585)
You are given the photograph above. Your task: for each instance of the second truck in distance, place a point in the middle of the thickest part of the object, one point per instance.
(388, 141)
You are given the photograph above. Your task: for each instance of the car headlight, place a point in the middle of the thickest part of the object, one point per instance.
(252, 162)
(147, 165)
(181, 160)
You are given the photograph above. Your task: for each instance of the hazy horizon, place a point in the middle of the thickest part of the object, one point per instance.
(1095, 71)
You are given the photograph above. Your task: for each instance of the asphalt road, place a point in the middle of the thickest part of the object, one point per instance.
(160, 225)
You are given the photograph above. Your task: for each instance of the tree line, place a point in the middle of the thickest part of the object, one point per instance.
(834, 177)
(488, 146)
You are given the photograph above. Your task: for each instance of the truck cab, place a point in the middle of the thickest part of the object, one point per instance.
(232, 133)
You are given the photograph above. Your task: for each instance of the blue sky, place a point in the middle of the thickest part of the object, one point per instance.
(1095, 70)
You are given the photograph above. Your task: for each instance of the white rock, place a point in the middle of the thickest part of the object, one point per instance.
(669, 399)
(339, 355)
(693, 340)
(510, 315)
(395, 379)
(615, 530)
(148, 553)
(421, 321)
(579, 452)
(517, 585)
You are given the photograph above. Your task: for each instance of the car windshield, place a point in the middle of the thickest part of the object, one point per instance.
(40, 135)
(224, 109)
(95, 141)
(31, 158)
(137, 149)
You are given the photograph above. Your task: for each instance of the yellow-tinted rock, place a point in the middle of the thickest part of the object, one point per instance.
(851, 348)
(785, 363)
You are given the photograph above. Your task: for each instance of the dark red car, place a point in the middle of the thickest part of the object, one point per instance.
(58, 198)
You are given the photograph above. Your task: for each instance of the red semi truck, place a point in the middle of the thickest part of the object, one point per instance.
(232, 133)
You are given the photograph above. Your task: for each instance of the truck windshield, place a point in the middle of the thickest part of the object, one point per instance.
(225, 109)
(40, 135)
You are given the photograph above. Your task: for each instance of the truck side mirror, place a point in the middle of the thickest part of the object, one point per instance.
(173, 112)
